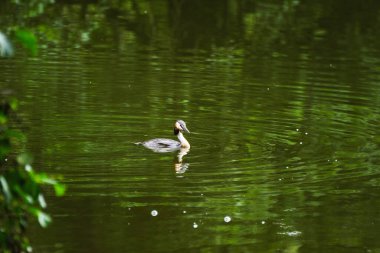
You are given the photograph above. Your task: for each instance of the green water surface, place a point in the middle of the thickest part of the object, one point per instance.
(282, 99)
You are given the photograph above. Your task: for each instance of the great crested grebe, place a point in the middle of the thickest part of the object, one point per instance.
(168, 145)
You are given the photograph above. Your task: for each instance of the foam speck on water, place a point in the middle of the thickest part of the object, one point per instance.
(227, 219)
(294, 233)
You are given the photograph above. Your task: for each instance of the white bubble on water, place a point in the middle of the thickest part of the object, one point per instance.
(294, 233)
(184, 211)
(263, 222)
(301, 142)
(154, 213)
(291, 233)
(227, 219)
(195, 225)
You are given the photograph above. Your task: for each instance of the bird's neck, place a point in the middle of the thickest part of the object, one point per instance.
(183, 141)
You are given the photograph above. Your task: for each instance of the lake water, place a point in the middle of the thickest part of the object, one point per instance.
(282, 101)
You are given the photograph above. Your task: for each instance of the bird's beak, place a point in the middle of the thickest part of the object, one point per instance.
(185, 129)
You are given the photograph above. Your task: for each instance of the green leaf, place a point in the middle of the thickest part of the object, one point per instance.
(43, 218)
(59, 189)
(6, 48)
(41, 200)
(27, 198)
(42, 178)
(5, 188)
(28, 40)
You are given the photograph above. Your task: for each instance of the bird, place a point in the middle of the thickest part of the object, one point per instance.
(167, 145)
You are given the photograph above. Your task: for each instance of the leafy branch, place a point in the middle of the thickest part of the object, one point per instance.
(21, 187)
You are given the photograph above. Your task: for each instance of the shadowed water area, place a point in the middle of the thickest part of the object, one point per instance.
(282, 100)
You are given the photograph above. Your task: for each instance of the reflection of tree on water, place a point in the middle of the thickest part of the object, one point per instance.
(179, 166)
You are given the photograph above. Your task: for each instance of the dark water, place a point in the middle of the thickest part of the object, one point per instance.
(282, 100)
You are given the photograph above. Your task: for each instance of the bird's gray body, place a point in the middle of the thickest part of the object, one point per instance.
(167, 145)
(162, 145)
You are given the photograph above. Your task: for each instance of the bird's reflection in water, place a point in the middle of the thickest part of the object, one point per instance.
(179, 166)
